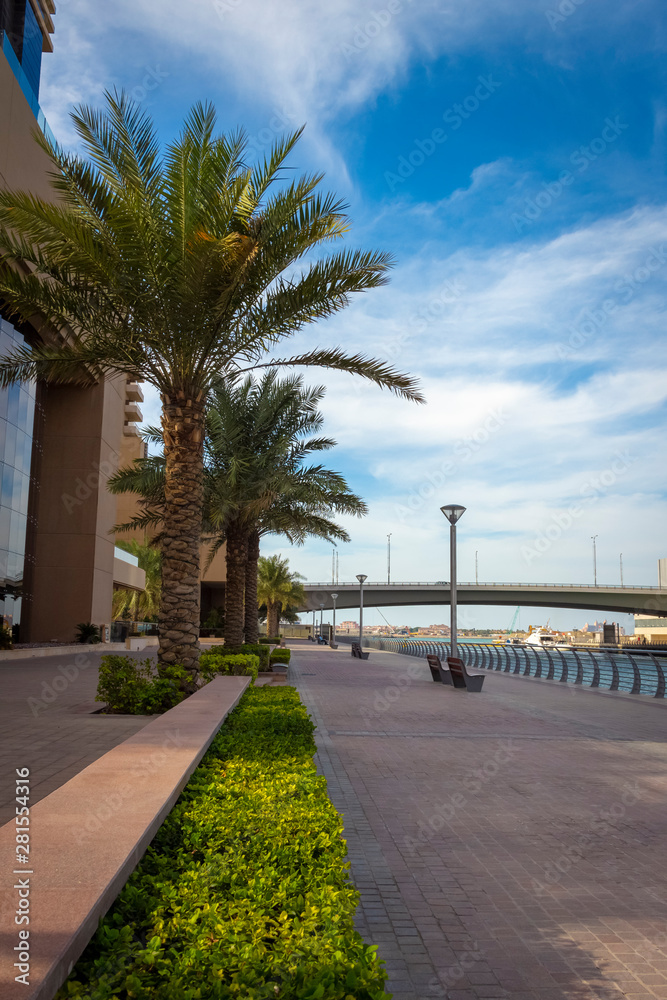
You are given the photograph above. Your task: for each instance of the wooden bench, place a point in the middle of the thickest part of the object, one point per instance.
(358, 652)
(460, 676)
(438, 672)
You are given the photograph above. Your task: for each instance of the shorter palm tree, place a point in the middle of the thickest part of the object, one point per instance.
(277, 586)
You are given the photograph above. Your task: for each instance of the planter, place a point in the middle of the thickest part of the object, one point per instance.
(136, 642)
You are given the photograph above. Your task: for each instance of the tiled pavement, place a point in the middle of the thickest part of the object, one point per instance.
(46, 723)
(507, 844)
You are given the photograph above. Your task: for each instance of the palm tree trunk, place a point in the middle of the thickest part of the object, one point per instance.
(270, 616)
(237, 549)
(273, 612)
(183, 429)
(251, 620)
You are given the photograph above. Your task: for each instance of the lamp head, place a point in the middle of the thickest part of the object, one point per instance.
(334, 596)
(453, 512)
(361, 577)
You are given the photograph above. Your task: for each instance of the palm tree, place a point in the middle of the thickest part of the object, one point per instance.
(176, 269)
(256, 445)
(145, 604)
(277, 587)
(255, 483)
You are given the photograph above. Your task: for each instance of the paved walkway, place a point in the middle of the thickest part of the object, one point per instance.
(46, 723)
(506, 844)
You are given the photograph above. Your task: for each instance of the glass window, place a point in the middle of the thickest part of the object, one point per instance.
(32, 48)
(13, 394)
(7, 490)
(17, 411)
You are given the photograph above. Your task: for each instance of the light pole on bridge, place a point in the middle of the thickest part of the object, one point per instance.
(333, 627)
(389, 557)
(452, 512)
(361, 577)
(595, 562)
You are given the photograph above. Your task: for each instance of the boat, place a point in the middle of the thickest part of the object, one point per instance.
(542, 638)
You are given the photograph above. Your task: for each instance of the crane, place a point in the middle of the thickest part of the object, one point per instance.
(514, 620)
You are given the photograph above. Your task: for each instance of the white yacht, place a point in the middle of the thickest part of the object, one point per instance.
(544, 639)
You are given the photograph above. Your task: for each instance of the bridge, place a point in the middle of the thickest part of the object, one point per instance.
(620, 600)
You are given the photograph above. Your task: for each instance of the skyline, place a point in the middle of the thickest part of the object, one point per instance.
(512, 159)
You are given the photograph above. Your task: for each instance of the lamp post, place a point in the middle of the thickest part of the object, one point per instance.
(389, 557)
(313, 624)
(333, 627)
(621, 569)
(321, 620)
(361, 577)
(452, 512)
(595, 562)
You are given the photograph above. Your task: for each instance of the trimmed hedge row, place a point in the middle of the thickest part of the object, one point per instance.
(133, 687)
(244, 893)
(252, 648)
(280, 656)
(241, 664)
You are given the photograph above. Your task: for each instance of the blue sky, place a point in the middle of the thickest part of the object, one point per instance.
(511, 155)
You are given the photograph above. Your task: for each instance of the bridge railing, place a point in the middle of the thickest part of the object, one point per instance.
(611, 670)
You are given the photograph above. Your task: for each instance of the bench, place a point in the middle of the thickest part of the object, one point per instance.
(460, 676)
(438, 672)
(358, 652)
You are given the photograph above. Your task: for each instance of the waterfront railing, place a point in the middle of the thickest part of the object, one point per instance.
(633, 671)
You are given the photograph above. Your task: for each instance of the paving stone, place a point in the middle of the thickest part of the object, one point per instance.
(458, 808)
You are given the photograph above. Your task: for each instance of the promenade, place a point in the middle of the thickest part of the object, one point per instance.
(506, 844)
(46, 722)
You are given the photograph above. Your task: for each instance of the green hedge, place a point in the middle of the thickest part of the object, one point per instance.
(280, 656)
(244, 893)
(242, 664)
(269, 641)
(253, 648)
(132, 687)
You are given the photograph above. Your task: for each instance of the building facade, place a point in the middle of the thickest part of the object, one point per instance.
(58, 444)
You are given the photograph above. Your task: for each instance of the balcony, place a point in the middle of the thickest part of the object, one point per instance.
(130, 429)
(133, 392)
(132, 413)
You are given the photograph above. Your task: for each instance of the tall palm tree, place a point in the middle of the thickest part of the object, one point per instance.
(177, 269)
(143, 604)
(277, 587)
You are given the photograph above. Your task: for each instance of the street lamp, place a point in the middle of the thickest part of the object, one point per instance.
(595, 562)
(361, 577)
(389, 557)
(333, 627)
(313, 624)
(452, 512)
(321, 620)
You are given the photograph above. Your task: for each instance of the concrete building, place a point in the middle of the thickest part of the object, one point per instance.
(58, 444)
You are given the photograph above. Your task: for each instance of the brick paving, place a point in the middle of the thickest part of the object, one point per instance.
(506, 844)
(46, 723)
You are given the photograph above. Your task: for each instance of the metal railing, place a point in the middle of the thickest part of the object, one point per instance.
(612, 670)
(445, 583)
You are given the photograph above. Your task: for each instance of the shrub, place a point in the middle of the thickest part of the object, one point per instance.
(87, 632)
(244, 893)
(269, 641)
(280, 656)
(6, 637)
(256, 649)
(131, 687)
(211, 664)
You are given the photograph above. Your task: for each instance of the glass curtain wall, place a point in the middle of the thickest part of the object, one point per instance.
(17, 417)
